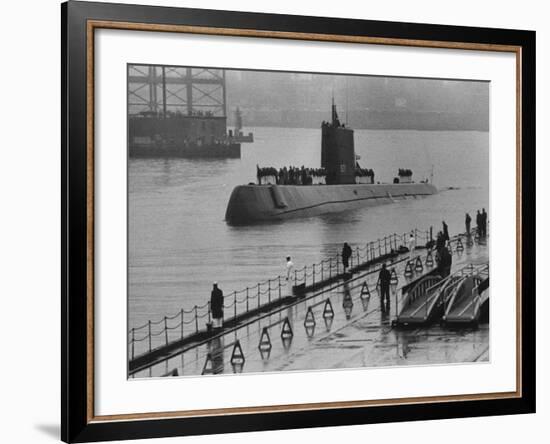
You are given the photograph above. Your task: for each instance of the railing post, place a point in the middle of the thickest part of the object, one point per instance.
(279, 281)
(330, 268)
(269, 291)
(379, 248)
(247, 299)
(358, 257)
(258, 295)
(181, 323)
(196, 319)
(166, 330)
(133, 341)
(149, 324)
(235, 305)
(322, 271)
(209, 313)
(296, 277)
(337, 266)
(313, 274)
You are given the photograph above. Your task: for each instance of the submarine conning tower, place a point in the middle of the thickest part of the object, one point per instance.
(337, 151)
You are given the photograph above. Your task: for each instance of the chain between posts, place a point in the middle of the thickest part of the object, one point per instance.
(389, 243)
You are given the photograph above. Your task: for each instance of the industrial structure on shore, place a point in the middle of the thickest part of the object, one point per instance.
(276, 199)
(180, 112)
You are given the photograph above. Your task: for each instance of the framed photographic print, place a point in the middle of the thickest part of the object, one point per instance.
(276, 221)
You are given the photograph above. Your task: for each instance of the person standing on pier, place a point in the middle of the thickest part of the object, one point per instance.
(484, 222)
(440, 241)
(479, 223)
(289, 275)
(216, 306)
(444, 262)
(468, 222)
(384, 278)
(446, 232)
(346, 254)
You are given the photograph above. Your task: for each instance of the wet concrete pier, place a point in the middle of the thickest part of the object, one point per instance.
(356, 331)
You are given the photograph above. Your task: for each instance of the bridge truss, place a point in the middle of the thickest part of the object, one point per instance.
(164, 89)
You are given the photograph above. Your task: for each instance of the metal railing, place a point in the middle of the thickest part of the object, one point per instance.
(186, 323)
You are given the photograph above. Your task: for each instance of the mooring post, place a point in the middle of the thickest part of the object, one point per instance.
(196, 319)
(166, 330)
(133, 341)
(149, 324)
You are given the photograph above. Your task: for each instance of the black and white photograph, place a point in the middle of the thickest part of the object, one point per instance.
(297, 221)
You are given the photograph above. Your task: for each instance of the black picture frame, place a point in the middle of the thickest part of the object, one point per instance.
(77, 422)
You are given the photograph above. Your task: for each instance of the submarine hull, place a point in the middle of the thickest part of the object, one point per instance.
(251, 204)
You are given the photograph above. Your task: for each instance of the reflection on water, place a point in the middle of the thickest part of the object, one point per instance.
(179, 243)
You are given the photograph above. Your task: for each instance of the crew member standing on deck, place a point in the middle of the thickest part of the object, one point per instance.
(468, 222)
(384, 279)
(216, 306)
(289, 275)
(346, 254)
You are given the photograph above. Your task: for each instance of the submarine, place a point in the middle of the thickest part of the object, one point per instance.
(278, 199)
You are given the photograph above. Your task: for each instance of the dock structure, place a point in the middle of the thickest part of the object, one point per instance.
(315, 315)
(163, 337)
(454, 298)
(470, 298)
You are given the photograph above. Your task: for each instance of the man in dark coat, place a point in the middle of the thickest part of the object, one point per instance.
(468, 222)
(479, 223)
(216, 305)
(446, 231)
(346, 254)
(445, 262)
(440, 241)
(384, 279)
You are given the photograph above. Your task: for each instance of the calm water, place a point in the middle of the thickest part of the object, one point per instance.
(179, 243)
